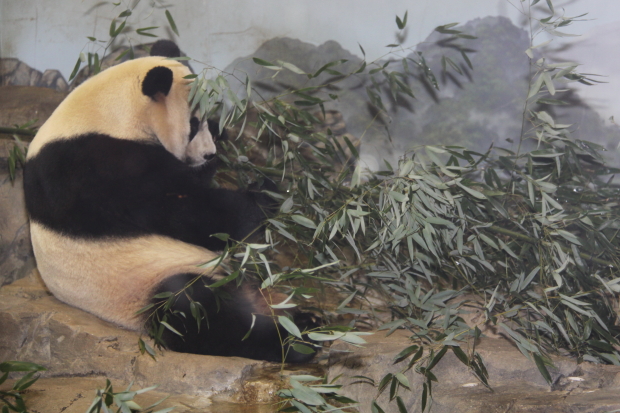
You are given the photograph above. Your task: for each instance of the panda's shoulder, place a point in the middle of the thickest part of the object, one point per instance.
(92, 152)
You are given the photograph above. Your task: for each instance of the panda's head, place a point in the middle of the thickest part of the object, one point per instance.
(143, 99)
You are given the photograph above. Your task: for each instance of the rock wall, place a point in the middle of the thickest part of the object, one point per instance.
(27, 95)
(16, 256)
(69, 342)
(72, 343)
(517, 384)
(22, 104)
(17, 73)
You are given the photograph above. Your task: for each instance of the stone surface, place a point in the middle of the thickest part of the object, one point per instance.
(22, 104)
(18, 105)
(80, 351)
(17, 73)
(475, 110)
(16, 256)
(75, 395)
(69, 342)
(518, 386)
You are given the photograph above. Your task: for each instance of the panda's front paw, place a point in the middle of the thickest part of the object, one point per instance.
(266, 184)
(269, 185)
(303, 352)
(307, 321)
(263, 200)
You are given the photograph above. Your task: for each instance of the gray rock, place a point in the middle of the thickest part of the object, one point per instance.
(14, 72)
(518, 386)
(53, 79)
(22, 104)
(38, 328)
(481, 107)
(75, 395)
(310, 58)
(16, 256)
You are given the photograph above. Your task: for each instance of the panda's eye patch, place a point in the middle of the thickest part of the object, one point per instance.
(214, 129)
(194, 125)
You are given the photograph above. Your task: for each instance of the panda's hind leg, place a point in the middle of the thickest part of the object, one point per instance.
(228, 320)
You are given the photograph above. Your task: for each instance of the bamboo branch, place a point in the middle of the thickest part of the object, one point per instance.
(17, 131)
(531, 240)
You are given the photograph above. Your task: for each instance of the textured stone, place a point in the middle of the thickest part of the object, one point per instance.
(75, 395)
(69, 342)
(518, 386)
(481, 108)
(53, 79)
(16, 257)
(17, 73)
(22, 104)
(14, 72)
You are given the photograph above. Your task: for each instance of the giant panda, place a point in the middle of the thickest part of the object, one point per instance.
(117, 186)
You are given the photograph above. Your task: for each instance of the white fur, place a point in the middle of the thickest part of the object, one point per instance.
(121, 110)
(112, 279)
(202, 145)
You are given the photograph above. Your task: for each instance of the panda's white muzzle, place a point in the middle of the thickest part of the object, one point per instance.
(202, 147)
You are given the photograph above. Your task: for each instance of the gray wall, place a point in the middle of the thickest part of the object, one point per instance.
(51, 34)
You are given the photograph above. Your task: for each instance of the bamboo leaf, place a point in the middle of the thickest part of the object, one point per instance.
(542, 368)
(289, 326)
(144, 31)
(169, 327)
(301, 220)
(171, 22)
(472, 192)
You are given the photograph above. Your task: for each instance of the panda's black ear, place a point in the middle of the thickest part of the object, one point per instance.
(165, 48)
(157, 80)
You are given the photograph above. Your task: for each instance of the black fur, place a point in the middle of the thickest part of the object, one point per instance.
(194, 126)
(157, 80)
(222, 332)
(96, 186)
(214, 129)
(165, 48)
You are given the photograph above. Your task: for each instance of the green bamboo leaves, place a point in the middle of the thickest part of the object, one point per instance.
(11, 399)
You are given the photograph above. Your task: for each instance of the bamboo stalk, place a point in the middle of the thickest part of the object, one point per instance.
(17, 131)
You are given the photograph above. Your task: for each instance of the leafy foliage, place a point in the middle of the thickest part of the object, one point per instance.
(321, 397)
(310, 164)
(532, 234)
(106, 399)
(120, 29)
(17, 155)
(12, 400)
